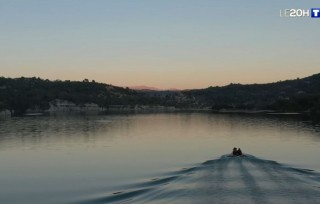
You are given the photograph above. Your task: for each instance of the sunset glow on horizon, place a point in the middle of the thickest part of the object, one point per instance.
(180, 44)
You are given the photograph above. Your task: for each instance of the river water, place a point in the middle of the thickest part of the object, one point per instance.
(159, 158)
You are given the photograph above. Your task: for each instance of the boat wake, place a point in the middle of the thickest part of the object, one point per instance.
(245, 179)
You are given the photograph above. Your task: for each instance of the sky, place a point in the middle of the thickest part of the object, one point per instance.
(180, 44)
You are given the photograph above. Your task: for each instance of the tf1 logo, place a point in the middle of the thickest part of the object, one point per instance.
(313, 13)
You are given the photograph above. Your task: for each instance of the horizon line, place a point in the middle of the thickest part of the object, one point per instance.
(155, 88)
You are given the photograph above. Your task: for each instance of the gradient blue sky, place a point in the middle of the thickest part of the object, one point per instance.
(160, 43)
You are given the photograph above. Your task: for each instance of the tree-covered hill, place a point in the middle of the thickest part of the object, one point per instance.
(21, 94)
(290, 95)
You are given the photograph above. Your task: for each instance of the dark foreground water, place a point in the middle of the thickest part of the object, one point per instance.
(159, 158)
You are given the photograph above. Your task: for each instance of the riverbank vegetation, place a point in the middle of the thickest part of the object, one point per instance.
(300, 95)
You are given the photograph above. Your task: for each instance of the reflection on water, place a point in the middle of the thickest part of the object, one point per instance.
(59, 158)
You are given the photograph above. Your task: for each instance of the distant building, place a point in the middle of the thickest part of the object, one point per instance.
(58, 105)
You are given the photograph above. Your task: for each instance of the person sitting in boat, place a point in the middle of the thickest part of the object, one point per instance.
(234, 152)
(239, 152)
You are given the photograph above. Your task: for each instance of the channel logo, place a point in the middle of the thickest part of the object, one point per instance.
(315, 13)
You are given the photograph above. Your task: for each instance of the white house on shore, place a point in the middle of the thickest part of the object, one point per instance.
(58, 105)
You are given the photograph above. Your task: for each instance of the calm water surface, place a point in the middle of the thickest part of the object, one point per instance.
(62, 159)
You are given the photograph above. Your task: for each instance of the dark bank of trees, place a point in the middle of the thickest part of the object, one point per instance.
(302, 95)
(306, 103)
(284, 96)
(20, 94)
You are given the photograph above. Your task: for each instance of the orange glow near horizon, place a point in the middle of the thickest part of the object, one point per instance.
(173, 80)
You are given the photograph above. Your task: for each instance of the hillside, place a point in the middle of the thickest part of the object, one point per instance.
(290, 95)
(21, 94)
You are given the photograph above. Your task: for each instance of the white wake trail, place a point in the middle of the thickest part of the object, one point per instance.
(247, 180)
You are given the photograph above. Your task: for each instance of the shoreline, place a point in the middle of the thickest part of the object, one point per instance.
(152, 109)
